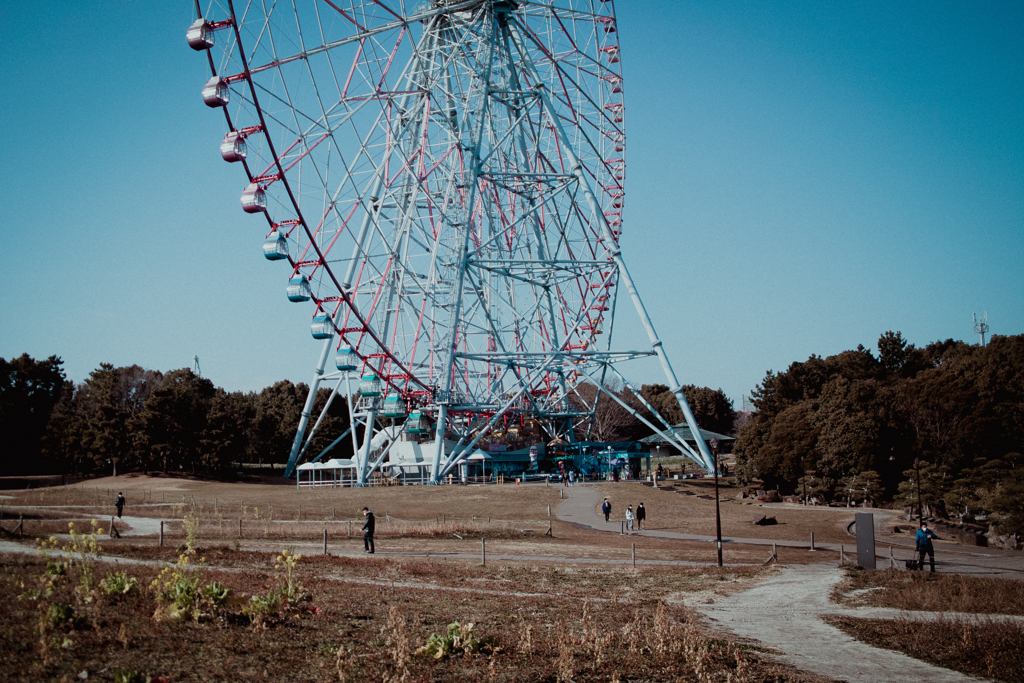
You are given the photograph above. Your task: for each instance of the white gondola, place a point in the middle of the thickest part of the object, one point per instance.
(394, 406)
(232, 147)
(200, 35)
(254, 199)
(216, 92)
(275, 248)
(369, 385)
(346, 360)
(298, 289)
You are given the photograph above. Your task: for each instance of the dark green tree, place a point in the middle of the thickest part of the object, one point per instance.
(711, 407)
(29, 390)
(277, 412)
(172, 422)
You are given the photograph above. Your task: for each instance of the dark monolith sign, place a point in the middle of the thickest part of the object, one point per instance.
(865, 540)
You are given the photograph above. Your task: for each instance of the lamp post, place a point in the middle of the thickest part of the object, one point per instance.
(718, 514)
(917, 472)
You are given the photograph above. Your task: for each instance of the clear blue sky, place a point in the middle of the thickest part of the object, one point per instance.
(803, 176)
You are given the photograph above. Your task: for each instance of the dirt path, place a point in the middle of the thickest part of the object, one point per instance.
(582, 507)
(784, 612)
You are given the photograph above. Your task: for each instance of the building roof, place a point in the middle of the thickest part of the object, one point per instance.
(683, 430)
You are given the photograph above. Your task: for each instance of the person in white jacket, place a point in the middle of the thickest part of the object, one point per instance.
(629, 517)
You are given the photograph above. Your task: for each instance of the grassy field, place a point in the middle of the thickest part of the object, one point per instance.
(977, 647)
(989, 649)
(362, 619)
(545, 613)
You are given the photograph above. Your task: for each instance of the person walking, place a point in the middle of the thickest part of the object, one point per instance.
(606, 508)
(924, 546)
(119, 503)
(629, 517)
(641, 515)
(368, 527)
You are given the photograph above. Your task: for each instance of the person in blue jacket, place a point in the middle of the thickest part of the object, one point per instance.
(924, 545)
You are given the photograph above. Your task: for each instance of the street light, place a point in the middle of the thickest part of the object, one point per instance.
(917, 471)
(718, 513)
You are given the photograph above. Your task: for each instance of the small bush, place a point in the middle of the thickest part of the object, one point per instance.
(118, 584)
(261, 608)
(63, 617)
(459, 639)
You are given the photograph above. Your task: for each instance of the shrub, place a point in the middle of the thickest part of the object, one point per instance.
(118, 584)
(63, 616)
(261, 608)
(459, 639)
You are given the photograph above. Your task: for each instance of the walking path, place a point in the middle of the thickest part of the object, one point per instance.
(582, 508)
(784, 612)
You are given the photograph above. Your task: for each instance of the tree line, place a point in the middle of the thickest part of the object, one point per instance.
(939, 429)
(145, 420)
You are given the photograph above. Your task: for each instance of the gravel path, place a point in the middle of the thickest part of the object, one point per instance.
(784, 613)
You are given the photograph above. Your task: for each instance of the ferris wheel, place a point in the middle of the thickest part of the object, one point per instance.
(443, 182)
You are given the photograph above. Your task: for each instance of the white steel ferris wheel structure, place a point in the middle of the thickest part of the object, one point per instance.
(445, 181)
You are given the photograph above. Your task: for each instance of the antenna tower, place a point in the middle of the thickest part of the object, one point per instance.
(981, 326)
(195, 367)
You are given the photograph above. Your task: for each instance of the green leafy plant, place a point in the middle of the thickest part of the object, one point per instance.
(261, 608)
(215, 596)
(119, 583)
(459, 639)
(180, 595)
(63, 616)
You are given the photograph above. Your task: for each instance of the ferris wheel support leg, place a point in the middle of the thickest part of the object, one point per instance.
(620, 264)
(307, 409)
(435, 465)
(364, 454)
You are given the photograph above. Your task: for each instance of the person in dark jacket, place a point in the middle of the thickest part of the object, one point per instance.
(119, 504)
(368, 526)
(924, 545)
(606, 508)
(641, 515)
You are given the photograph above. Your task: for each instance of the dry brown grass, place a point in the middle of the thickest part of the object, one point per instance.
(158, 496)
(924, 591)
(989, 649)
(410, 519)
(365, 618)
(691, 514)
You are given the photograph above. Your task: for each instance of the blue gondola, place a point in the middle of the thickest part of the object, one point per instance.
(369, 385)
(276, 247)
(298, 289)
(346, 360)
(394, 406)
(322, 327)
(418, 423)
